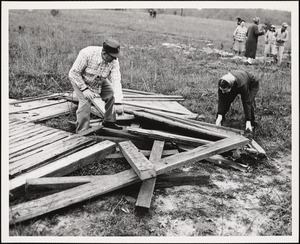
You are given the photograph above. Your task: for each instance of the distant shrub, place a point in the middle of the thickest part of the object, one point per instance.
(54, 12)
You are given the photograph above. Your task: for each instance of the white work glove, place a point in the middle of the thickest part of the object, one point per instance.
(248, 125)
(119, 109)
(219, 119)
(88, 94)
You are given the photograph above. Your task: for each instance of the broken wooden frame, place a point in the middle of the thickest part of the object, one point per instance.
(34, 208)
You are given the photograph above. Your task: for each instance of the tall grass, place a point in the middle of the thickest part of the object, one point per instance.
(43, 47)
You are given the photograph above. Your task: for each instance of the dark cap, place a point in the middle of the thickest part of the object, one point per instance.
(112, 47)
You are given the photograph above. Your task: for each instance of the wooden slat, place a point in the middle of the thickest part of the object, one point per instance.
(160, 135)
(36, 138)
(30, 137)
(141, 165)
(64, 165)
(32, 145)
(13, 130)
(47, 152)
(42, 149)
(147, 187)
(28, 133)
(34, 208)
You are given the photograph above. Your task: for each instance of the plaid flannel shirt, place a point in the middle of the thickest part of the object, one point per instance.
(240, 33)
(89, 69)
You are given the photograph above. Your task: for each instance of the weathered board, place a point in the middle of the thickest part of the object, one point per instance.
(34, 208)
(141, 165)
(147, 187)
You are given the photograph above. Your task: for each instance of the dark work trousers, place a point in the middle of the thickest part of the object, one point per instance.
(227, 99)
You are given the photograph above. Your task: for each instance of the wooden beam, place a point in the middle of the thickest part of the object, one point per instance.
(171, 122)
(55, 184)
(161, 135)
(221, 161)
(64, 165)
(34, 208)
(141, 165)
(147, 187)
(182, 178)
(197, 154)
(259, 149)
(199, 124)
(50, 185)
(145, 152)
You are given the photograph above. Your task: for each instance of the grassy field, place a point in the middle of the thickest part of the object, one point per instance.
(43, 47)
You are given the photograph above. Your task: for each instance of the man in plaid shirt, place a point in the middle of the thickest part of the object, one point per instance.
(95, 71)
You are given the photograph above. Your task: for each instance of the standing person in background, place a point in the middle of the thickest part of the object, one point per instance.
(238, 21)
(96, 71)
(229, 86)
(239, 37)
(270, 42)
(251, 43)
(281, 36)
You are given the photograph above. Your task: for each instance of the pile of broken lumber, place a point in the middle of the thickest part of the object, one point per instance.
(154, 141)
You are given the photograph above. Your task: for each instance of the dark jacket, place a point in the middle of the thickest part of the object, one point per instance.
(251, 43)
(247, 86)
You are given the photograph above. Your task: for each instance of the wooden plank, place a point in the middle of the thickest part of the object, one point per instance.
(132, 104)
(48, 152)
(206, 134)
(119, 133)
(38, 149)
(146, 153)
(151, 99)
(19, 127)
(188, 121)
(161, 135)
(260, 150)
(37, 98)
(28, 133)
(217, 127)
(153, 96)
(64, 165)
(178, 160)
(36, 138)
(50, 185)
(141, 165)
(34, 208)
(221, 161)
(30, 137)
(147, 187)
(182, 178)
(55, 184)
(32, 107)
(46, 113)
(137, 92)
(32, 145)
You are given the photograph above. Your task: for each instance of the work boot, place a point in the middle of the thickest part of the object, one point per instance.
(111, 125)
